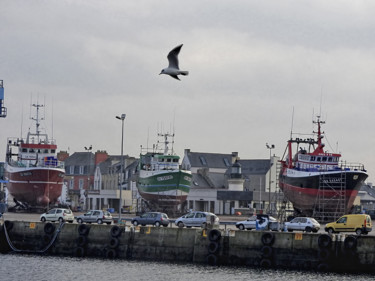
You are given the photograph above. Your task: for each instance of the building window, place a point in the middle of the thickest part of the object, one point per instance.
(71, 184)
(81, 168)
(71, 170)
(203, 160)
(80, 183)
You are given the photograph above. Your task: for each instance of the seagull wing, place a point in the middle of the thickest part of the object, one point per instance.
(173, 57)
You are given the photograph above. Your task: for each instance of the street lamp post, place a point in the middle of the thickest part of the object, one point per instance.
(270, 147)
(88, 149)
(122, 118)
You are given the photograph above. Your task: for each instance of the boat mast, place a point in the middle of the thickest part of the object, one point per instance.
(37, 120)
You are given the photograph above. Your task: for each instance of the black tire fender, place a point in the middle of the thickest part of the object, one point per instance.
(110, 254)
(211, 259)
(49, 228)
(265, 263)
(83, 229)
(81, 241)
(115, 231)
(214, 235)
(324, 241)
(350, 242)
(268, 238)
(213, 247)
(324, 254)
(267, 251)
(79, 252)
(114, 242)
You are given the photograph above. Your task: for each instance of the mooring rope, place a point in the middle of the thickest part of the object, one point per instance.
(33, 251)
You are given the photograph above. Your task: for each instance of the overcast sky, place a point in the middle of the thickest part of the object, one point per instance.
(251, 64)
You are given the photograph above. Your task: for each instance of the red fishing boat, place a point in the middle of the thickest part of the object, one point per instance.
(315, 181)
(34, 175)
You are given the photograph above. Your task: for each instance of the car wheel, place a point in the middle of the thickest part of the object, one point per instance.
(61, 220)
(180, 224)
(80, 221)
(358, 231)
(241, 227)
(100, 221)
(135, 223)
(43, 219)
(308, 229)
(330, 230)
(157, 224)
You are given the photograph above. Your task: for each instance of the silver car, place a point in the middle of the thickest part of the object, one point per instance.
(97, 216)
(303, 224)
(58, 214)
(197, 219)
(153, 218)
(259, 221)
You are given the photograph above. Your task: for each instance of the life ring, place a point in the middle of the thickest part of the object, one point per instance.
(265, 263)
(81, 241)
(115, 231)
(214, 235)
(213, 247)
(350, 242)
(110, 254)
(114, 242)
(83, 229)
(323, 267)
(268, 238)
(324, 241)
(8, 225)
(49, 228)
(80, 252)
(211, 259)
(267, 251)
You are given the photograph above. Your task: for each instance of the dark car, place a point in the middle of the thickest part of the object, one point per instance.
(153, 218)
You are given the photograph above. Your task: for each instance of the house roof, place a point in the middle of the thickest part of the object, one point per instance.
(211, 160)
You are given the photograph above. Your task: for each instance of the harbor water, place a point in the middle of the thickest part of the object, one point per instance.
(43, 268)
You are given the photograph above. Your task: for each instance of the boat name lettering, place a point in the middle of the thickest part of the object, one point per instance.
(187, 178)
(25, 174)
(164, 178)
(332, 180)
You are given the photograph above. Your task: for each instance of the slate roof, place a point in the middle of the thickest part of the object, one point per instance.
(211, 160)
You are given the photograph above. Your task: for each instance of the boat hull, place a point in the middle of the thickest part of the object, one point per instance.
(37, 186)
(304, 189)
(168, 188)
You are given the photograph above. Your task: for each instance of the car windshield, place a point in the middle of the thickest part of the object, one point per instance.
(314, 220)
(67, 211)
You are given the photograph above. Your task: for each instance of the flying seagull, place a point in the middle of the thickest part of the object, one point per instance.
(173, 69)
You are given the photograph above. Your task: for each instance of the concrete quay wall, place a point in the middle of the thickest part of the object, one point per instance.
(212, 246)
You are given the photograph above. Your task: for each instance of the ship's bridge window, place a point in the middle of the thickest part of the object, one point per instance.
(24, 149)
(175, 160)
(329, 159)
(169, 160)
(312, 158)
(318, 159)
(53, 150)
(32, 150)
(324, 159)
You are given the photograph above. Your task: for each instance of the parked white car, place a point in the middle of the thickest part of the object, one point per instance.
(258, 222)
(58, 214)
(198, 219)
(302, 224)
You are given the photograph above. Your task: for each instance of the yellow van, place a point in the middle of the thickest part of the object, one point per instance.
(359, 223)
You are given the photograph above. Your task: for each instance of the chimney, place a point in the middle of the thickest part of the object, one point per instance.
(62, 155)
(100, 156)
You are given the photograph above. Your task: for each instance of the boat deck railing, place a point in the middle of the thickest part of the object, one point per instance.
(342, 166)
(47, 164)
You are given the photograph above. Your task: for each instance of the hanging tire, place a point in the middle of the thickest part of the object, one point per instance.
(267, 251)
(81, 241)
(49, 228)
(115, 231)
(265, 263)
(79, 252)
(324, 241)
(268, 238)
(114, 242)
(213, 247)
(214, 235)
(110, 254)
(324, 254)
(323, 267)
(83, 229)
(211, 259)
(350, 242)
